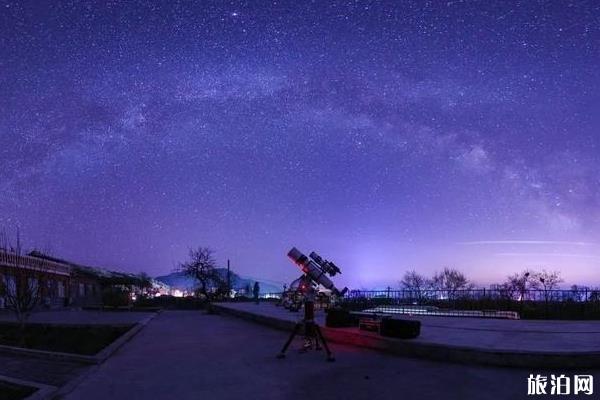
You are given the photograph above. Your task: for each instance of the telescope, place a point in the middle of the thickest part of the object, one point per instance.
(316, 272)
(317, 269)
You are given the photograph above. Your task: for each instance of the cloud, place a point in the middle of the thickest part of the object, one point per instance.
(563, 255)
(526, 242)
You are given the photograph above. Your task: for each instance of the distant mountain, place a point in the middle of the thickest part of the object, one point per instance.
(177, 280)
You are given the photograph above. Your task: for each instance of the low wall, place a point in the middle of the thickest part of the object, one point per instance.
(433, 351)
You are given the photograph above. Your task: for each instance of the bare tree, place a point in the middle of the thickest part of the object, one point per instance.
(202, 267)
(22, 284)
(519, 283)
(414, 282)
(451, 281)
(145, 284)
(506, 291)
(547, 281)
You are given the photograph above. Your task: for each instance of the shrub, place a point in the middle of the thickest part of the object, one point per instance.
(115, 297)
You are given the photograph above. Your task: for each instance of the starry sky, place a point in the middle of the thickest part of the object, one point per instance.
(385, 135)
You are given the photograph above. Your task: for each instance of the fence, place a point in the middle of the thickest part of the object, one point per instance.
(582, 304)
(488, 303)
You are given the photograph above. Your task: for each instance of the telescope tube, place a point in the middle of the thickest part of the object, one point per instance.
(312, 269)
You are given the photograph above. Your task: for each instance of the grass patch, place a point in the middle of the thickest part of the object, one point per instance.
(76, 339)
(9, 391)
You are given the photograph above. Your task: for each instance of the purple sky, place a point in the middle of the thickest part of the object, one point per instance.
(386, 136)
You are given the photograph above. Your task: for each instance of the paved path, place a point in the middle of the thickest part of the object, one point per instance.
(188, 355)
(488, 334)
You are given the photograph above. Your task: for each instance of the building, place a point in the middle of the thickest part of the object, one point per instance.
(59, 283)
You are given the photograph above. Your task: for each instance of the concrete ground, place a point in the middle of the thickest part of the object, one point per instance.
(190, 355)
(488, 334)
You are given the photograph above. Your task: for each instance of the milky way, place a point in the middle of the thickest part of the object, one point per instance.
(386, 136)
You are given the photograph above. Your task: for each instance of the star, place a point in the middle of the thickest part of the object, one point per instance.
(370, 135)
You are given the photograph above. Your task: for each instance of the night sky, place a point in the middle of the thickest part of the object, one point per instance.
(384, 135)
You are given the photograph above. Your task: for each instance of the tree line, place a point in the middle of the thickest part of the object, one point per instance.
(516, 286)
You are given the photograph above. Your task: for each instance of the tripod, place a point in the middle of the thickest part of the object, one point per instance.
(311, 331)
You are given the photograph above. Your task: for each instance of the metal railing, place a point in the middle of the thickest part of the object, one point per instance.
(12, 260)
(486, 303)
(583, 304)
